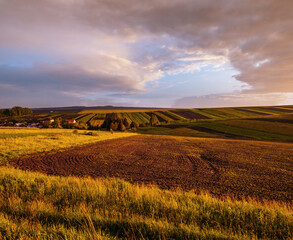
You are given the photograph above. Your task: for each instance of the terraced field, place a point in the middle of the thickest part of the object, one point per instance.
(223, 167)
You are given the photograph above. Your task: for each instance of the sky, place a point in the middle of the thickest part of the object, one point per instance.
(155, 53)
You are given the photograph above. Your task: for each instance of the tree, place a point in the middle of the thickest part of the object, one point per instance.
(6, 112)
(19, 111)
(16, 111)
(57, 123)
(113, 126)
(154, 120)
(126, 123)
(27, 111)
(113, 121)
(134, 125)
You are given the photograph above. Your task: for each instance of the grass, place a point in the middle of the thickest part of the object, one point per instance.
(221, 126)
(257, 128)
(271, 127)
(181, 131)
(36, 206)
(25, 141)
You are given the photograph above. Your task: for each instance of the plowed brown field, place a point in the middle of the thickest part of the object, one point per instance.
(237, 168)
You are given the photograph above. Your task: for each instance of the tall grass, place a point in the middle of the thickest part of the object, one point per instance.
(37, 206)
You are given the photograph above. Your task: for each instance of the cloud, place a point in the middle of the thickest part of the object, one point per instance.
(89, 47)
(237, 100)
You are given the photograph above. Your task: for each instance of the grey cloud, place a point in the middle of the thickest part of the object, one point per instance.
(245, 32)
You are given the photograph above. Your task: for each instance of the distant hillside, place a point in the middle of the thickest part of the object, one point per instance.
(80, 108)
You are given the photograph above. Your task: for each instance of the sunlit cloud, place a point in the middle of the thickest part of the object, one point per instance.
(89, 50)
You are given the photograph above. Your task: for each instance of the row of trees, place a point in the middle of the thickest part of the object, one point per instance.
(115, 121)
(16, 111)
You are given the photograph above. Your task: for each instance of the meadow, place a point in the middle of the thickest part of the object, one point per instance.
(37, 206)
(20, 141)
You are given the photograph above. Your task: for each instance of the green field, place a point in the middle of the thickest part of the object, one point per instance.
(267, 129)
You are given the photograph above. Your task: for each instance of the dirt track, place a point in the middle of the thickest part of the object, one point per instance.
(240, 168)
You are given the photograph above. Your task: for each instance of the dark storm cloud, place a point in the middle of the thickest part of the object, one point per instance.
(119, 46)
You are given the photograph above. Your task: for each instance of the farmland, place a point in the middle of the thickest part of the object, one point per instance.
(222, 173)
(222, 167)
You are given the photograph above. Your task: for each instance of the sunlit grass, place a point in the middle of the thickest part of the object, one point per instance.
(45, 140)
(37, 206)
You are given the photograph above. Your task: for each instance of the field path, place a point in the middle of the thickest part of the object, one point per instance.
(236, 167)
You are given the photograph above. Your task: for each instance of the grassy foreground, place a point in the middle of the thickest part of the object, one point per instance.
(37, 206)
(17, 141)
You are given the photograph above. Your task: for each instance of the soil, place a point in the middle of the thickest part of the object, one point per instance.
(237, 168)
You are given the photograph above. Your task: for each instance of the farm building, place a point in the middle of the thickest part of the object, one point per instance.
(70, 120)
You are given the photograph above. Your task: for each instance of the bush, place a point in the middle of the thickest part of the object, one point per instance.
(75, 131)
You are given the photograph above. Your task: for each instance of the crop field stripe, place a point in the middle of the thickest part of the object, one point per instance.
(265, 126)
(189, 114)
(159, 117)
(142, 118)
(174, 115)
(146, 116)
(167, 114)
(231, 113)
(245, 114)
(213, 112)
(265, 110)
(282, 110)
(165, 117)
(99, 116)
(204, 114)
(131, 117)
(250, 133)
(82, 116)
(86, 118)
(92, 117)
(252, 111)
(137, 117)
(199, 115)
(124, 115)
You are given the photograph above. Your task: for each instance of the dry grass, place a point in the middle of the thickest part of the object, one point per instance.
(45, 140)
(36, 206)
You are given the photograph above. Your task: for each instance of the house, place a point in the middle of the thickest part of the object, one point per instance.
(70, 121)
(48, 121)
(35, 125)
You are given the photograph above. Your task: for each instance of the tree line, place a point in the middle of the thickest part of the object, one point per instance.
(16, 111)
